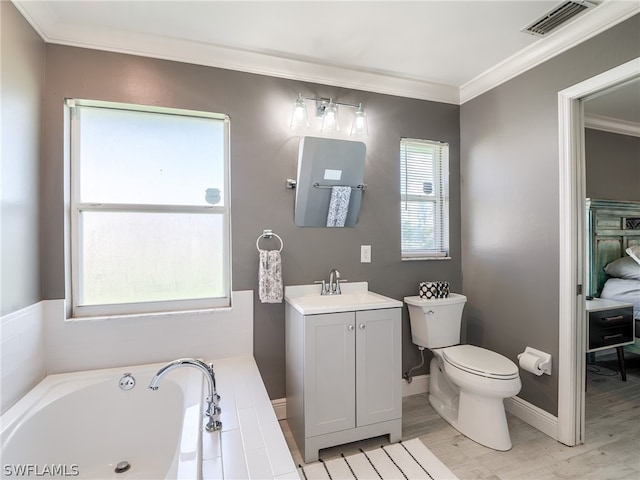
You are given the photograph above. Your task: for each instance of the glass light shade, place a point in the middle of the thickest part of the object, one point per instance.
(359, 127)
(299, 118)
(330, 119)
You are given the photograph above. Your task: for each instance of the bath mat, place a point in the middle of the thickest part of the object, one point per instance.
(410, 460)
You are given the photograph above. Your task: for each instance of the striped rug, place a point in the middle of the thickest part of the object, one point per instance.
(409, 460)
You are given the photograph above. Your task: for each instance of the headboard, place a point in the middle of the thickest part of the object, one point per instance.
(612, 227)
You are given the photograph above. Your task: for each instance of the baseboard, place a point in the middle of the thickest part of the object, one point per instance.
(534, 416)
(419, 384)
(280, 407)
(525, 411)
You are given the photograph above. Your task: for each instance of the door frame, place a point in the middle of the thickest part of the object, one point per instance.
(572, 309)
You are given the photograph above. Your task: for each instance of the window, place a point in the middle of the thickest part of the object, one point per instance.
(149, 209)
(424, 190)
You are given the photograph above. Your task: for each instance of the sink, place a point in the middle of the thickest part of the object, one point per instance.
(355, 296)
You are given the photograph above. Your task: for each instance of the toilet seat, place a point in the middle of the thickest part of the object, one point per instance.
(479, 361)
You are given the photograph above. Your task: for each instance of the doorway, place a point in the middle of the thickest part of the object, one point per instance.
(572, 334)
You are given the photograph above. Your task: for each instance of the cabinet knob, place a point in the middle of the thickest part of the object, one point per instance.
(350, 327)
(361, 326)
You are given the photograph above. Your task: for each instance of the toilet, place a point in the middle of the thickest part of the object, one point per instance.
(467, 384)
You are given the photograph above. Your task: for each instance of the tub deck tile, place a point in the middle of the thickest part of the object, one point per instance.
(234, 463)
(211, 448)
(259, 464)
(212, 469)
(252, 442)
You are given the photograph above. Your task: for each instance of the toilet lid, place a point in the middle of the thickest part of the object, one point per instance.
(480, 361)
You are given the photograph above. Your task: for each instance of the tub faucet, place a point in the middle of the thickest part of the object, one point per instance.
(213, 409)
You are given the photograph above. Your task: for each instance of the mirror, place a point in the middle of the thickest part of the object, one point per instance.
(330, 182)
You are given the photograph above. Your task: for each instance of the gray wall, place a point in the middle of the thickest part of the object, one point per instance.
(263, 155)
(507, 186)
(613, 165)
(510, 204)
(22, 54)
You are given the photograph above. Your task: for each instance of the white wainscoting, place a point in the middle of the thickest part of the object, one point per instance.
(76, 345)
(23, 353)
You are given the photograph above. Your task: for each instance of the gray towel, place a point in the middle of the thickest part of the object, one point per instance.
(338, 206)
(270, 277)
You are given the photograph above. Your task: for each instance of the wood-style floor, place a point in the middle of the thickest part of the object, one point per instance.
(611, 450)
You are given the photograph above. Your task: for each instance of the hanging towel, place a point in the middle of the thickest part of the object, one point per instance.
(270, 276)
(338, 206)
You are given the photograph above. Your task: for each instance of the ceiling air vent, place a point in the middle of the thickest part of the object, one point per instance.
(557, 17)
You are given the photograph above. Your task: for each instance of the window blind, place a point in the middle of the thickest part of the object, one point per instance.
(424, 176)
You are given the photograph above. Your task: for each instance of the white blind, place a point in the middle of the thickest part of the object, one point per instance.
(424, 177)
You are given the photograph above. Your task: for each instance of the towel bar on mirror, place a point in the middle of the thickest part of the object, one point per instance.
(269, 234)
(361, 186)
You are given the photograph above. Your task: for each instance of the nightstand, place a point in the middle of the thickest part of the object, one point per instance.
(611, 325)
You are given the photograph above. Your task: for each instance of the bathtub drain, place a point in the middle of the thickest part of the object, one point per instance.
(122, 467)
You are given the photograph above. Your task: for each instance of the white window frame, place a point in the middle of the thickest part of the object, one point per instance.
(440, 198)
(76, 208)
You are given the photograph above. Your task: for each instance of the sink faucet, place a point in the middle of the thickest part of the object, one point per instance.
(213, 409)
(334, 288)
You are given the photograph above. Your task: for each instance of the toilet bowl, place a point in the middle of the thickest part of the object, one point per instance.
(467, 384)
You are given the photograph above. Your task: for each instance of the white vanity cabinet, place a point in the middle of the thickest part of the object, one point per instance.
(343, 373)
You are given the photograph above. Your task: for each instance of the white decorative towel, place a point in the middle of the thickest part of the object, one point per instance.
(338, 206)
(270, 276)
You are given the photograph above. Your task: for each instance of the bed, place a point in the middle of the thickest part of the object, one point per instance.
(613, 231)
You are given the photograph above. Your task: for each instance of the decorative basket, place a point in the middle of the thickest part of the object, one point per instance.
(430, 290)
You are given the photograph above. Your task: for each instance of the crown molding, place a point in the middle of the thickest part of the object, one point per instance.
(591, 23)
(612, 125)
(51, 30)
(257, 63)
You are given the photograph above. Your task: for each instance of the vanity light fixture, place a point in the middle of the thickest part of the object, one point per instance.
(359, 127)
(327, 110)
(299, 116)
(330, 122)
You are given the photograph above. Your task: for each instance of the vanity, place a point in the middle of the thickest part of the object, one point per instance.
(343, 366)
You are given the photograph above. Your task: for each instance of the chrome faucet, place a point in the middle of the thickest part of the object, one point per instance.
(213, 409)
(334, 282)
(333, 287)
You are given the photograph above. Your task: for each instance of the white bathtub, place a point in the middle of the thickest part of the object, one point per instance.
(81, 425)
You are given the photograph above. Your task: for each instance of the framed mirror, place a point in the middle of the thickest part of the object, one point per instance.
(330, 182)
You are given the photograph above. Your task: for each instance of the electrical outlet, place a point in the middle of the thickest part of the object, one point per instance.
(365, 253)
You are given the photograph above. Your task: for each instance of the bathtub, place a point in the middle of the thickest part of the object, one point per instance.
(83, 425)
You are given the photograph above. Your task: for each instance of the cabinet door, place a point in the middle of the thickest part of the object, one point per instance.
(329, 383)
(378, 366)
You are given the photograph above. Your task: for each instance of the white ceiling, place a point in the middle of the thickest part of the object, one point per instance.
(447, 51)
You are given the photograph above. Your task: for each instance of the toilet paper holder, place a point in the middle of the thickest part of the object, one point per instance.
(543, 362)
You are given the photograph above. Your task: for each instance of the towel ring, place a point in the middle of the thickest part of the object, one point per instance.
(269, 234)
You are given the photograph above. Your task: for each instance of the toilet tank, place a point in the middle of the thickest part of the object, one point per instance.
(435, 323)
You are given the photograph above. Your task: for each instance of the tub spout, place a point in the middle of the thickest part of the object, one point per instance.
(213, 409)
